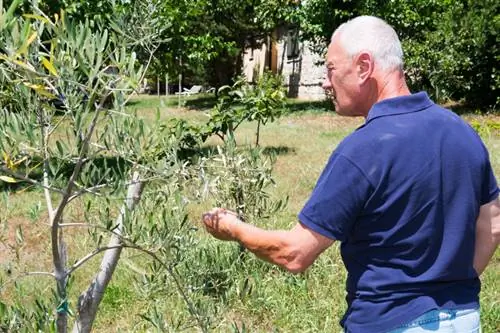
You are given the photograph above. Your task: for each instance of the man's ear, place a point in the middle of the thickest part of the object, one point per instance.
(365, 66)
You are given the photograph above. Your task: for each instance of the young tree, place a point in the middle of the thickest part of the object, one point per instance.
(71, 84)
(65, 131)
(243, 102)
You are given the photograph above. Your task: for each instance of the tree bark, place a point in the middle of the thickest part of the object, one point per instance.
(257, 134)
(89, 301)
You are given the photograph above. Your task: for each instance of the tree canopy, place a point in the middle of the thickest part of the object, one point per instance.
(451, 47)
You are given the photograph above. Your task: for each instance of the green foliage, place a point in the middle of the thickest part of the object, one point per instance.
(240, 102)
(319, 18)
(208, 37)
(486, 128)
(266, 100)
(85, 147)
(451, 48)
(38, 317)
(187, 137)
(239, 180)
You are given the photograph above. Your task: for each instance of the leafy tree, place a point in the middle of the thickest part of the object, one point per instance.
(98, 159)
(451, 48)
(243, 102)
(209, 36)
(73, 67)
(203, 40)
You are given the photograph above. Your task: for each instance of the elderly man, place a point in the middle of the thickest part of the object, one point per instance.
(410, 195)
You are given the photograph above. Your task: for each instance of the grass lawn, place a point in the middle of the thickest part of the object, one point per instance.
(249, 295)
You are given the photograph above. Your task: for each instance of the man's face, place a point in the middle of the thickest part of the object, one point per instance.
(341, 82)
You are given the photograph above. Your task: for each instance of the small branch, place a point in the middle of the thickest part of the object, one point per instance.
(151, 54)
(90, 256)
(93, 188)
(29, 180)
(38, 273)
(45, 140)
(57, 125)
(82, 225)
(87, 190)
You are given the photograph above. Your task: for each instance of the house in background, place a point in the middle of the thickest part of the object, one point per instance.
(283, 54)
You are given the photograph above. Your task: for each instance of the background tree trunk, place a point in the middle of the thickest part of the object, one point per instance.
(89, 301)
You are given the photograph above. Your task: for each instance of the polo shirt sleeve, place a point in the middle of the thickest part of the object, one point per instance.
(490, 188)
(337, 199)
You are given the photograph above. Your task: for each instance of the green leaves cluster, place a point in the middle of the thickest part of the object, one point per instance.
(240, 180)
(55, 76)
(244, 102)
(208, 37)
(20, 318)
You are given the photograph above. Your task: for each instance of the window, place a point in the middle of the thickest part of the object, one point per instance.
(292, 45)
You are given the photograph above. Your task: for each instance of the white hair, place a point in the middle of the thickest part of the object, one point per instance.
(372, 34)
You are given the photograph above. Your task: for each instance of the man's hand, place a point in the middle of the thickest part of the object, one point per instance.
(220, 223)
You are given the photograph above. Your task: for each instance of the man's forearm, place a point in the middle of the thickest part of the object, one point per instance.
(294, 250)
(485, 249)
(487, 235)
(486, 244)
(272, 246)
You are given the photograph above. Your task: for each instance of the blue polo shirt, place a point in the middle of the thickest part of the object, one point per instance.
(402, 194)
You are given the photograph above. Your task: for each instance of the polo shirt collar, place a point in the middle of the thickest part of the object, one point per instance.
(399, 105)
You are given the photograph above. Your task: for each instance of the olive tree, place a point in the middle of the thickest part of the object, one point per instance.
(66, 85)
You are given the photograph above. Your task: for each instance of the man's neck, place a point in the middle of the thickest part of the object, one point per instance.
(385, 86)
(392, 85)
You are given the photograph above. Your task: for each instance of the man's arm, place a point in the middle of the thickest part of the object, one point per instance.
(294, 250)
(487, 234)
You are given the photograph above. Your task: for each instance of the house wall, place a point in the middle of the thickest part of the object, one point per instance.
(302, 76)
(255, 61)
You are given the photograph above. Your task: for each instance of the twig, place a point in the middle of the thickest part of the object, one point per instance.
(45, 140)
(96, 187)
(87, 190)
(37, 273)
(151, 53)
(90, 256)
(29, 180)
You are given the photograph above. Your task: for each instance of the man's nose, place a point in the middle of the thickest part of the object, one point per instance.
(327, 85)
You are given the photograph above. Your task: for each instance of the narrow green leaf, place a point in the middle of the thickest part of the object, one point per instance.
(37, 17)
(8, 179)
(19, 235)
(49, 66)
(104, 41)
(60, 147)
(24, 48)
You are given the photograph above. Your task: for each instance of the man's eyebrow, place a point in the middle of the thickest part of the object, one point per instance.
(330, 64)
